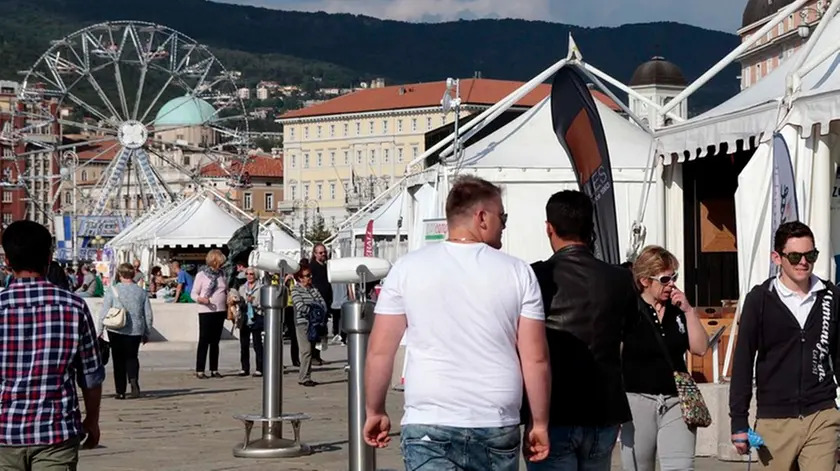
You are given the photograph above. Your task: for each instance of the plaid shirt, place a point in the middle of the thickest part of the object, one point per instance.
(47, 337)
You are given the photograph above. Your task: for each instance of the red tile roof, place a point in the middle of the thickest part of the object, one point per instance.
(258, 166)
(99, 152)
(425, 95)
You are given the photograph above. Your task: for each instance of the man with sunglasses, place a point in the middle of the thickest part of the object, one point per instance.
(788, 326)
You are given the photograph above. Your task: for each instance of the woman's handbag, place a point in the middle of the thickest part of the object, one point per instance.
(115, 317)
(104, 350)
(694, 410)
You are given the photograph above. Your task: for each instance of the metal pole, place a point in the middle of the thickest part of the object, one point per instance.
(272, 444)
(357, 321)
(73, 221)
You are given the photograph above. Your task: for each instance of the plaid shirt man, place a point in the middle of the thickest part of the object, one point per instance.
(47, 338)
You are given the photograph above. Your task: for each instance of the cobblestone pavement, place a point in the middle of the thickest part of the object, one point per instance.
(182, 423)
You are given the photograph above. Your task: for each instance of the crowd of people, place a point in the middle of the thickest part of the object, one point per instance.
(587, 355)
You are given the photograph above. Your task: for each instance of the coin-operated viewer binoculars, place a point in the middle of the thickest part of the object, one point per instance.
(357, 322)
(273, 300)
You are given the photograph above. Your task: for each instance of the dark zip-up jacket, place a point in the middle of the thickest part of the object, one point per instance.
(793, 365)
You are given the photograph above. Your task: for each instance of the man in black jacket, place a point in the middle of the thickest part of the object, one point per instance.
(790, 322)
(586, 302)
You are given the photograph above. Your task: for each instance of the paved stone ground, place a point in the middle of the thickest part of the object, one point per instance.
(186, 424)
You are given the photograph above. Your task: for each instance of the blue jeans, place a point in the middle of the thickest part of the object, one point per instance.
(579, 449)
(439, 448)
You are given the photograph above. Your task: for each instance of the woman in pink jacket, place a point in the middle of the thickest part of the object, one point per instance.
(210, 292)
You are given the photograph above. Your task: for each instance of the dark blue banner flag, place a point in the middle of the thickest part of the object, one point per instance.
(578, 126)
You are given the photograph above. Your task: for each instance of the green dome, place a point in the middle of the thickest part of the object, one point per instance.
(185, 111)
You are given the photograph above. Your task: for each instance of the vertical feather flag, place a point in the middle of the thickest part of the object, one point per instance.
(578, 126)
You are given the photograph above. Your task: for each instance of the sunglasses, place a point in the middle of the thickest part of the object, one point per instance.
(250, 273)
(665, 279)
(308, 275)
(795, 257)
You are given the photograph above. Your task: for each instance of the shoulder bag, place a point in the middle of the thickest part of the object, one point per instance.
(115, 317)
(695, 413)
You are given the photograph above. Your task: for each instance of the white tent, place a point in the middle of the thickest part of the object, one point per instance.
(527, 160)
(275, 238)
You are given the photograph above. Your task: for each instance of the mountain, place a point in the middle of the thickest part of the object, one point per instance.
(342, 49)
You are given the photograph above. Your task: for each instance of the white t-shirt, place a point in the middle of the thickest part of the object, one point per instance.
(462, 304)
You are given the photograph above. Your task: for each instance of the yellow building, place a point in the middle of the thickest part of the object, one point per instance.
(341, 153)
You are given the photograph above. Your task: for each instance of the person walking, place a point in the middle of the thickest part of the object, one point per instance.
(289, 318)
(474, 324)
(251, 323)
(125, 341)
(209, 290)
(586, 301)
(47, 345)
(321, 282)
(310, 309)
(664, 327)
(788, 334)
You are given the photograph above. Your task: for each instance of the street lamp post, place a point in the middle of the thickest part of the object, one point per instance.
(304, 205)
(70, 162)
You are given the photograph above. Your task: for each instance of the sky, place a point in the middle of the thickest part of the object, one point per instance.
(722, 15)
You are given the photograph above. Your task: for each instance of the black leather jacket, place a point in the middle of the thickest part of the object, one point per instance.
(587, 302)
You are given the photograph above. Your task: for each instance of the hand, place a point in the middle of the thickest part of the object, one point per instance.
(287, 278)
(377, 428)
(91, 428)
(678, 299)
(145, 339)
(741, 442)
(535, 446)
(202, 300)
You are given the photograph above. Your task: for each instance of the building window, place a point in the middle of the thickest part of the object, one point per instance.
(332, 221)
(7, 218)
(373, 157)
(306, 191)
(346, 157)
(318, 132)
(318, 161)
(400, 155)
(414, 152)
(305, 160)
(372, 125)
(269, 201)
(385, 156)
(332, 159)
(428, 123)
(443, 120)
(332, 190)
(291, 133)
(306, 132)
(319, 191)
(84, 175)
(384, 126)
(358, 128)
(413, 124)
(358, 157)
(780, 30)
(247, 202)
(186, 160)
(293, 192)
(399, 125)
(346, 129)
(7, 196)
(68, 197)
(293, 161)
(332, 130)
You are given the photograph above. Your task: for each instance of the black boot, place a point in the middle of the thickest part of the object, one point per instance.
(135, 388)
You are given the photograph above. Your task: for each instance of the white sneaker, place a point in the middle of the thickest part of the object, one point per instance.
(336, 340)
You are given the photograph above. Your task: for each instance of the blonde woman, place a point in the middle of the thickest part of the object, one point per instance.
(657, 428)
(209, 290)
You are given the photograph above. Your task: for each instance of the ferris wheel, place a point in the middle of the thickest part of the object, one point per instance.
(136, 111)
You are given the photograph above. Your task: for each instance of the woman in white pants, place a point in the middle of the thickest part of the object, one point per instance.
(658, 427)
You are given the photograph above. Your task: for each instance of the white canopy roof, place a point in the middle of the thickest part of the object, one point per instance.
(276, 239)
(529, 142)
(756, 110)
(196, 221)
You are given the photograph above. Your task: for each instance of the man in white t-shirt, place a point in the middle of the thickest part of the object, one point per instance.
(475, 326)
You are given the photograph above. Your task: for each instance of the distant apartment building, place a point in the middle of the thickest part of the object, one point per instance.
(262, 93)
(261, 189)
(341, 153)
(244, 93)
(779, 43)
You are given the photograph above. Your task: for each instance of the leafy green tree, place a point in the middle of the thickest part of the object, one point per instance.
(318, 230)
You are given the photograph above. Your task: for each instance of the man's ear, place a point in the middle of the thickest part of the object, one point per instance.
(549, 229)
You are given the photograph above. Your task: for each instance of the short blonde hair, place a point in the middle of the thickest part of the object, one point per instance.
(653, 261)
(215, 259)
(126, 271)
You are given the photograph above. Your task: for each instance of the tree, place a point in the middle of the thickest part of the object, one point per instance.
(318, 232)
